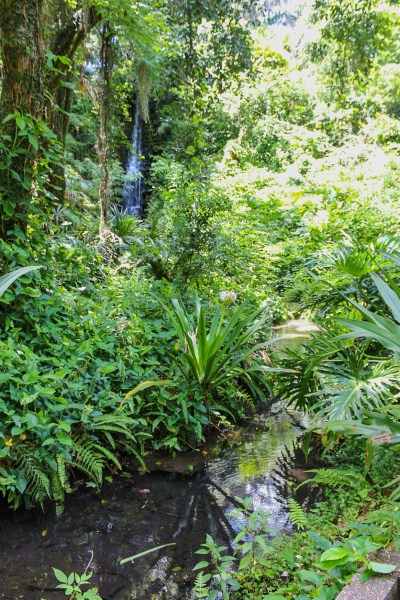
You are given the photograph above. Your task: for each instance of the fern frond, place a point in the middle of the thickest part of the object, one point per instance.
(200, 585)
(297, 514)
(336, 478)
(113, 424)
(88, 459)
(108, 454)
(62, 473)
(244, 397)
(38, 486)
(58, 491)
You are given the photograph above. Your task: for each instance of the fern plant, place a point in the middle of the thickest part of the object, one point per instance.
(336, 478)
(297, 514)
(200, 587)
(37, 482)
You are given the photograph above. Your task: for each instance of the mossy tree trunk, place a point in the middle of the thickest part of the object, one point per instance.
(103, 144)
(22, 91)
(74, 26)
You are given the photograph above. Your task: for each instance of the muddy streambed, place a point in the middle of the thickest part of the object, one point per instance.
(137, 512)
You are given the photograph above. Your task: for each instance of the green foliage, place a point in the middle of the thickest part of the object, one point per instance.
(200, 585)
(335, 537)
(216, 356)
(384, 330)
(352, 33)
(9, 278)
(73, 583)
(297, 514)
(313, 564)
(28, 150)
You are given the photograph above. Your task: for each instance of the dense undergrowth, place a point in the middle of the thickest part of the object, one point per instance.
(272, 192)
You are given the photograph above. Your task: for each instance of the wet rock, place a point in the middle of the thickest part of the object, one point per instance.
(300, 475)
(184, 463)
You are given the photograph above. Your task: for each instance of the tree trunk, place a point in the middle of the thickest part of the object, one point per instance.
(22, 56)
(22, 91)
(103, 145)
(76, 25)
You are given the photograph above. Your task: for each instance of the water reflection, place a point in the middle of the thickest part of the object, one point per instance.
(138, 512)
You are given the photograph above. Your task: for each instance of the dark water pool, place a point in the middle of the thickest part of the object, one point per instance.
(135, 513)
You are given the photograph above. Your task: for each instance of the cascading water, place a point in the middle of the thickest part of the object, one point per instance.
(133, 190)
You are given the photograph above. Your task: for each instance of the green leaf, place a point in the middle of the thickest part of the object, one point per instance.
(33, 141)
(388, 295)
(63, 438)
(334, 557)
(366, 575)
(60, 576)
(9, 117)
(203, 564)
(20, 122)
(7, 280)
(246, 547)
(246, 560)
(335, 553)
(135, 556)
(382, 567)
(239, 536)
(147, 384)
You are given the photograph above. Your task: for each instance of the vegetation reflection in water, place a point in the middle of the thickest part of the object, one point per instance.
(141, 512)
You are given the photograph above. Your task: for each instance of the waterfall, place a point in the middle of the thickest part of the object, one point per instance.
(133, 190)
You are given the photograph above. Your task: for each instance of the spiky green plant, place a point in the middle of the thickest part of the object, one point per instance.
(223, 351)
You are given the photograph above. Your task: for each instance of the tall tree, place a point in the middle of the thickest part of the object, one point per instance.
(32, 92)
(22, 93)
(103, 144)
(67, 33)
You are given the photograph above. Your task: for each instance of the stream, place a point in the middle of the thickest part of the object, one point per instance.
(134, 513)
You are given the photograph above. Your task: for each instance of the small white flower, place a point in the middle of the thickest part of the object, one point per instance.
(228, 297)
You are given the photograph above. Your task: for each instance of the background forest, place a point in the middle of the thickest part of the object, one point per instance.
(271, 177)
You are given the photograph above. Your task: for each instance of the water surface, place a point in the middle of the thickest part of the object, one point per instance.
(134, 513)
